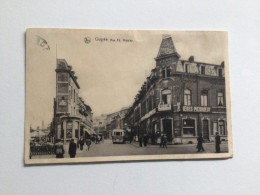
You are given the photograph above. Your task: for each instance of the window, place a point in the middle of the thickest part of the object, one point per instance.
(163, 73)
(220, 72)
(187, 97)
(221, 127)
(189, 127)
(186, 68)
(166, 96)
(204, 98)
(203, 70)
(220, 99)
(166, 72)
(74, 95)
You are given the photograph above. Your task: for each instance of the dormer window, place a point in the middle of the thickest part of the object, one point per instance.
(202, 70)
(220, 72)
(186, 68)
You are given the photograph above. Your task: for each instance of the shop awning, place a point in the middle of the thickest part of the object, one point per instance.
(93, 132)
(88, 131)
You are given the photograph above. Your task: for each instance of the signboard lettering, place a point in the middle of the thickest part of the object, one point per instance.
(196, 109)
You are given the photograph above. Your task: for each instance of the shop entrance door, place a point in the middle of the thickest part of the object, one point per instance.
(205, 129)
(167, 128)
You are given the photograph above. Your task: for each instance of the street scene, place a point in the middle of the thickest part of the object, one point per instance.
(98, 104)
(108, 149)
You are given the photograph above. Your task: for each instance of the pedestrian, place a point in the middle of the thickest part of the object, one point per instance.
(88, 143)
(161, 143)
(58, 148)
(81, 143)
(140, 139)
(218, 142)
(165, 141)
(145, 140)
(77, 143)
(72, 149)
(200, 142)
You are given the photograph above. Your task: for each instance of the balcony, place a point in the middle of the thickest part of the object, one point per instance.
(164, 107)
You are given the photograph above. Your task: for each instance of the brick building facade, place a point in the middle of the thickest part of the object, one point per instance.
(180, 98)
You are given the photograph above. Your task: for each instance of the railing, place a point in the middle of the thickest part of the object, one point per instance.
(42, 150)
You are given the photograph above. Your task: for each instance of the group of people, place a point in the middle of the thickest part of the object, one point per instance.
(201, 141)
(143, 140)
(59, 149)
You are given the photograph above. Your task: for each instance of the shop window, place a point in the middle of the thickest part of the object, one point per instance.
(77, 133)
(220, 99)
(221, 127)
(166, 96)
(187, 97)
(204, 98)
(189, 127)
(220, 72)
(69, 130)
(203, 70)
(215, 128)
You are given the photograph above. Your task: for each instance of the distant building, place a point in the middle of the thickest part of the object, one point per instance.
(181, 98)
(116, 120)
(72, 116)
(99, 125)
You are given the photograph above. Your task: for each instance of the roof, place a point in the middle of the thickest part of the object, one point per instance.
(167, 48)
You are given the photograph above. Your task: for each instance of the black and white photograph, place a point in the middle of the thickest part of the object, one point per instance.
(126, 95)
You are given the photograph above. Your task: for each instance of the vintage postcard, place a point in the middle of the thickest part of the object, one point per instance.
(126, 95)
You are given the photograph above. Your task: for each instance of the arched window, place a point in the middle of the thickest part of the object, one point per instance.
(220, 99)
(187, 97)
(166, 96)
(204, 98)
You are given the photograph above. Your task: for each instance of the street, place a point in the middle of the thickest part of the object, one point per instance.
(107, 148)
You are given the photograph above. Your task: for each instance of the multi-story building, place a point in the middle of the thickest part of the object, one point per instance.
(99, 125)
(72, 117)
(181, 98)
(116, 120)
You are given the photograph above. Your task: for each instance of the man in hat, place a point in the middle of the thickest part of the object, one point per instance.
(72, 149)
(217, 141)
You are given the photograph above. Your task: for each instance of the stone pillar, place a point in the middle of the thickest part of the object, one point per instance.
(65, 130)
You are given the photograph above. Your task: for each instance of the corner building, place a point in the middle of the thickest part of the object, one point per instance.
(181, 98)
(73, 118)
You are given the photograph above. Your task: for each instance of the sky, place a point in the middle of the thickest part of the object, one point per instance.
(110, 70)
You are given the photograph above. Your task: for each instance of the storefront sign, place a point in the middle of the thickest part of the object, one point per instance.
(164, 107)
(152, 112)
(195, 109)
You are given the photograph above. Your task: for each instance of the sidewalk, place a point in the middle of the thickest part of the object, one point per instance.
(136, 144)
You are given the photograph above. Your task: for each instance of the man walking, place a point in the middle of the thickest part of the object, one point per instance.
(81, 143)
(88, 143)
(72, 149)
(218, 142)
(200, 141)
(164, 138)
